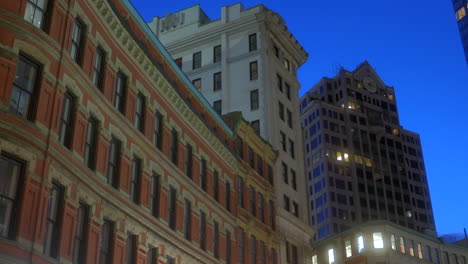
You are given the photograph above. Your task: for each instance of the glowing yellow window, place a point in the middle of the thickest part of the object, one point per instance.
(461, 13)
(358, 159)
(339, 156)
(368, 162)
(346, 157)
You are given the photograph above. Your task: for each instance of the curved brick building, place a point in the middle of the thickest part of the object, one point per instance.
(109, 154)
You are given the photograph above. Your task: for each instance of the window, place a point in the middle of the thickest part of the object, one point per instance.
(284, 172)
(82, 221)
(196, 63)
(174, 146)
(228, 247)
(217, 54)
(77, 41)
(428, 254)
(288, 91)
(158, 133)
(279, 82)
(252, 201)
(131, 249)
(261, 208)
(217, 81)
(216, 185)
(36, 13)
(202, 230)
(66, 119)
(281, 110)
(402, 245)
(53, 221)
(295, 209)
(256, 126)
(228, 196)
(254, 100)
(203, 174)
(289, 117)
(411, 247)
(91, 143)
(393, 242)
(218, 106)
(253, 250)
(10, 178)
(216, 239)
(270, 174)
(23, 95)
(420, 254)
(331, 256)
(241, 246)
(188, 160)
(360, 243)
(98, 68)
(240, 191)
(260, 165)
(113, 165)
(294, 254)
(153, 255)
(155, 194)
(286, 204)
(276, 51)
(140, 113)
(271, 210)
(172, 207)
(253, 70)
(314, 259)
(107, 242)
(293, 180)
(187, 219)
(378, 240)
(120, 91)
(252, 42)
(197, 84)
(287, 65)
(461, 13)
(349, 251)
(291, 149)
(283, 140)
(178, 62)
(135, 181)
(170, 260)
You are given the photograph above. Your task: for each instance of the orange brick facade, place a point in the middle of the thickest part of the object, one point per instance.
(230, 148)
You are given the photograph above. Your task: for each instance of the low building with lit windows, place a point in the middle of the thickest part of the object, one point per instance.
(383, 242)
(461, 10)
(109, 154)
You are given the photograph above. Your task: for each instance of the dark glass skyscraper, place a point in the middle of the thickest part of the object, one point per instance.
(461, 10)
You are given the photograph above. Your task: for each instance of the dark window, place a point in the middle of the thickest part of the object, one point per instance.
(178, 62)
(272, 214)
(286, 204)
(273, 256)
(228, 247)
(253, 70)
(288, 90)
(91, 143)
(77, 41)
(113, 166)
(153, 255)
(294, 255)
(283, 141)
(174, 147)
(289, 117)
(293, 180)
(254, 100)
(131, 249)
(140, 112)
(241, 246)
(202, 230)
(256, 126)
(81, 231)
(252, 42)
(228, 196)
(67, 119)
(216, 185)
(216, 239)
(276, 51)
(135, 183)
(158, 130)
(187, 219)
(53, 221)
(23, 95)
(253, 209)
(217, 81)
(196, 63)
(291, 149)
(217, 54)
(98, 68)
(270, 174)
(284, 172)
(107, 242)
(262, 253)
(279, 81)
(261, 207)
(155, 194)
(281, 110)
(120, 92)
(253, 250)
(197, 83)
(240, 191)
(172, 208)
(11, 178)
(218, 106)
(36, 13)
(203, 175)
(188, 160)
(295, 209)
(170, 260)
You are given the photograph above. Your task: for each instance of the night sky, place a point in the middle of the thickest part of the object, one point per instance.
(414, 46)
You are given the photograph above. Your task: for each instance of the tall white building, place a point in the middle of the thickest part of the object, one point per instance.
(247, 61)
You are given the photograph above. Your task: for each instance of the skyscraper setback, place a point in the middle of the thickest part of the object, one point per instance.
(361, 164)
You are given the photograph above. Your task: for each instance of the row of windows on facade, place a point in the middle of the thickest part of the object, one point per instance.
(414, 249)
(13, 178)
(255, 160)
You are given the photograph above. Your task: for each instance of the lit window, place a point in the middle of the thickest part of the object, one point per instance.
(331, 256)
(461, 13)
(392, 241)
(402, 245)
(339, 156)
(395, 132)
(411, 248)
(346, 157)
(358, 159)
(378, 240)
(360, 242)
(349, 251)
(420, 255)
(314, 259)
(368, 162)
(390, 97)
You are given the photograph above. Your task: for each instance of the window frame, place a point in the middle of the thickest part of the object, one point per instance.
(91, 140)
(196, 60)
(77, 45)
(106, 234)
(217, 54)
(158, 130)
(81, 234)
(44, 23)
(135, 179)
(99, 68)
(54, 222)
(188, 220)
(217, 82)
(254, 100)
(253, 42)
(155, 194)
(67, 119)
(120, 91)
(253, 70)
(113, 178)
(174, 149)
(140, 112)
(172, 208)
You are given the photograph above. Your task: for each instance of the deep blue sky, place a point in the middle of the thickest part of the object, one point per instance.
(414, 45)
